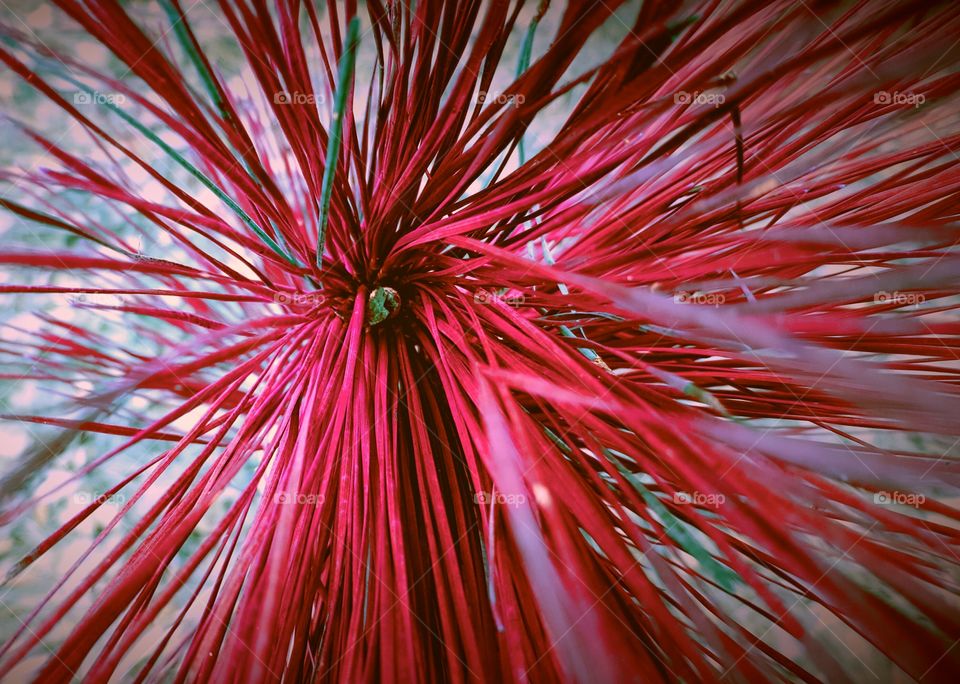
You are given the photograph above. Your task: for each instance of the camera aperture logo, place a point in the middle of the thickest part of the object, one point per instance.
(699, 499)
(899, 298)
(88, 498)
(93, 299)
(899, 499)
(902, 99)
(483, 97)
(298, 499)
(485, 297)
(499, 498)
(286, 97)
(94, 97)
(699, 97)
(302, 299)
(703, 298)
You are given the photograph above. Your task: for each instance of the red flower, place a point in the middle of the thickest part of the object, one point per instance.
(577, 371)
